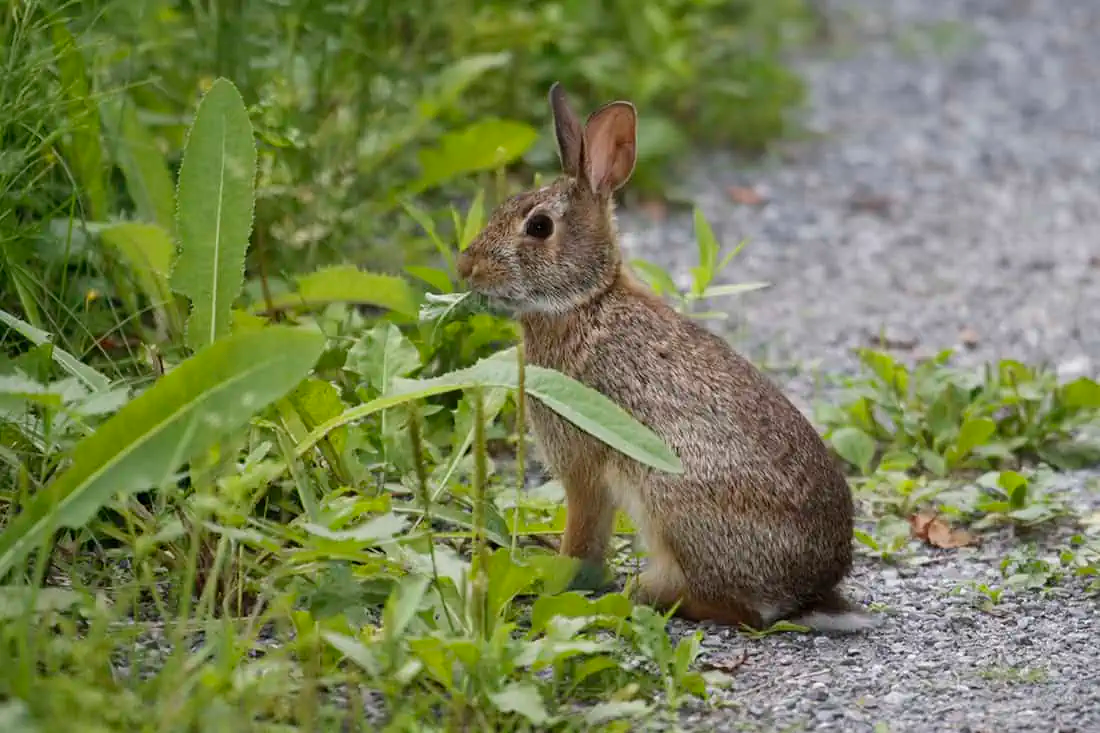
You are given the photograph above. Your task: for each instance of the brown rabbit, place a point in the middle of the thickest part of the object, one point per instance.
(759, 526)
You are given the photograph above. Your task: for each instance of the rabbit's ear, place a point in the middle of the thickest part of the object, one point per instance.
(568, 130)
(610, 146)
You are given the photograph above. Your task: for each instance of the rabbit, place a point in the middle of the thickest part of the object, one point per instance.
(758, 527)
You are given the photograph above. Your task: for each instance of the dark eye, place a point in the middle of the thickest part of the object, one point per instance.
(540, 226)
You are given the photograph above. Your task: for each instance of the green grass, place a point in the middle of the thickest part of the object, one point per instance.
(295, 500)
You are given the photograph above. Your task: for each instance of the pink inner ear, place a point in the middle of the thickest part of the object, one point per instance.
(610, 147)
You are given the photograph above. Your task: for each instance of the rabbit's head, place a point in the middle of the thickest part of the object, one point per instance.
(555, 248)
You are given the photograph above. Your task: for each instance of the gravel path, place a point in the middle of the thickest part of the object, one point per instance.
(954, 197)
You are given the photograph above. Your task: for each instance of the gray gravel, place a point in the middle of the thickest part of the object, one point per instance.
(953, 196)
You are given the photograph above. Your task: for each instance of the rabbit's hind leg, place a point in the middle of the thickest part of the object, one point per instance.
(662, 584)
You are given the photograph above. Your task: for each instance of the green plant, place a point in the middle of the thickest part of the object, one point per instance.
(303, 478)
(1026, 569)
(703, 274)
(939, 419)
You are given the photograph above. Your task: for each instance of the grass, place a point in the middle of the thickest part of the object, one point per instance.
(245, 485)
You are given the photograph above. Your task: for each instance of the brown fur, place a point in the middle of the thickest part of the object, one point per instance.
(759, 525)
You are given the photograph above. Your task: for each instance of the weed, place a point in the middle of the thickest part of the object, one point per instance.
(939, 419)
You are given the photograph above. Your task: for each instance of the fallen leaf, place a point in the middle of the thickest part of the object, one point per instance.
(655, 209)
(930, 528)
(728, 663)
(969, 337)
(745, 195)
(870, 203)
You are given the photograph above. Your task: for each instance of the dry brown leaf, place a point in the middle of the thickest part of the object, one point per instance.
(745, 195)
(729, 663)
(655, 209)
(969, 337)
(930, 528)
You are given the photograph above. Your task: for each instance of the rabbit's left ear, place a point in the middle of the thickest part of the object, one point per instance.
(610, 146)
(567, 129)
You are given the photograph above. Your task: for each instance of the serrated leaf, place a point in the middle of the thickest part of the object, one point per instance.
(148, 180)
(86, 374)
(522, 698)
(186, 411)
(854, 446)
(381, 355)
(347, 284)
(214, 215)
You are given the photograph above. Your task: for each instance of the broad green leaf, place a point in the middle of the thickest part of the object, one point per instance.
(16, 390)
(403, 603)
(574, 605)
(483, 145)
(456, 78)
(186, 411)
(1081, 393)
(84, 151)
(854, 446)
(147, 249)
(148, 180)
(377, 530)
(442, 94)
(656, 277)
(214, 215)
(432, 276)
(605, 712)
(522, 698)
(973, 433)
(354, 650)
(382, 355)
(584, 407)
(317, 401)
(507, 579)
(347, 284)
(90, 377)
(16, 600)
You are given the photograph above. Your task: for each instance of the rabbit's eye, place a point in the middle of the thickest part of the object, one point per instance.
(539, 226)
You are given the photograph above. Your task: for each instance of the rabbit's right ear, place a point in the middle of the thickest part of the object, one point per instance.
(568, 130)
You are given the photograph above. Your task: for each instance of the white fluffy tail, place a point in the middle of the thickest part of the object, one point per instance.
(842, 622)
(834, 613)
